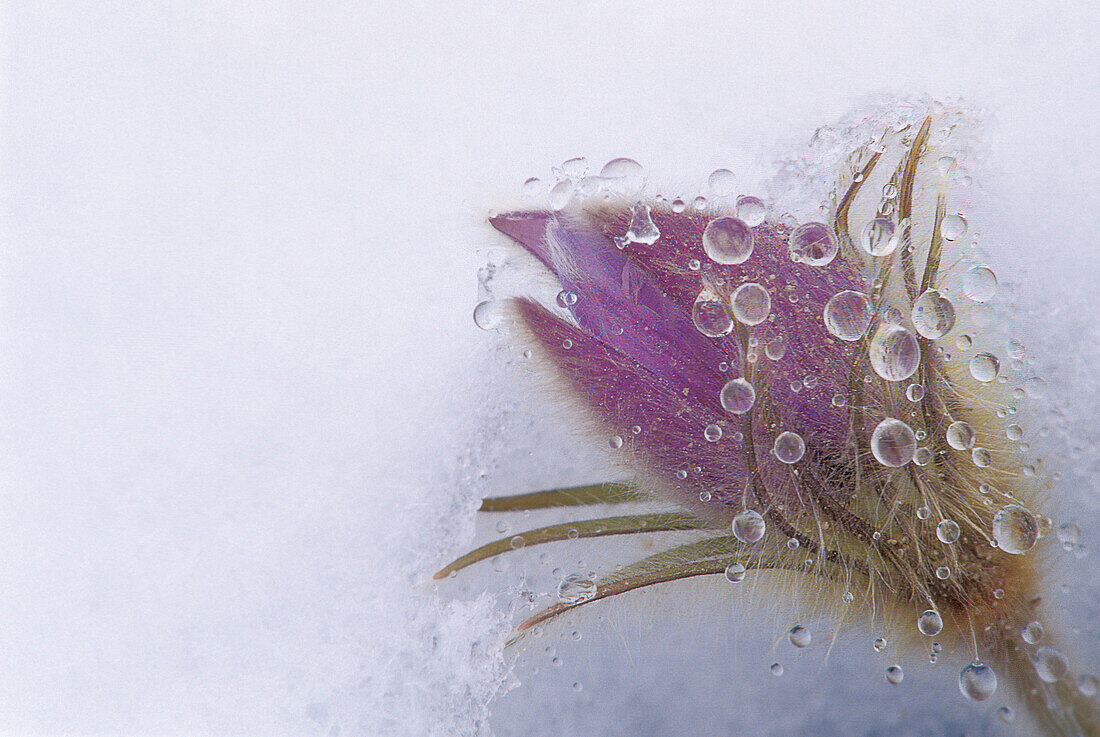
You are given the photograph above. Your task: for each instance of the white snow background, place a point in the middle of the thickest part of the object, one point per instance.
(244, 409)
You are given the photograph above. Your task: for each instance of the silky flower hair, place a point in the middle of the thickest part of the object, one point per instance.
(789, 387)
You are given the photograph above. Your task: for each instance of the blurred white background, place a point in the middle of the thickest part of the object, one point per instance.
(239, 380)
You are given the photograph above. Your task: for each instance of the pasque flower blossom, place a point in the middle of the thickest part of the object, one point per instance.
(786, 385)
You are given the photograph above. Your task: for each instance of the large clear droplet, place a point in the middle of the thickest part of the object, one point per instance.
(813, 244)
(893, 443)
(751, 209)
(894, 352)
(625, 176)
(960, 435)
(751, 303)
(930, 622)
(728, 240)
(722, 183)
(735, 572)
(488, 315)
(576, 587)
(1051, 664)
(879, 237)
(914, 392)
(710, 316)
(985, 367)
(748, 526)
(789, 447)
(933, 314)
(953, 227)
(642, 229)
(947, 531)
(737, 396)
(712, 433)
(1015, 529)
(560, 194)
(1032, 633)
(847, 315)
(979, 283)
(894, 674)
(799, 636)
(977, 682)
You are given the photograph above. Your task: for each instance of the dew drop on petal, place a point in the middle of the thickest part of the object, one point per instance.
(893, 443)
(642, 229)
(977, 682)
(1068, 533)
(748, 526)
(728, 240)
(625, 176)
(776, 348)
(953, 227)
(933, 314)
(799, 636)
(923, 513)
(789, 447)
(751, 209)
(751, 303)
(615, 442)
(1015, 529)
(488, 315)
(533, 187)
(1087, 684)
(984, 367)
(943, 573)
(847, 315)
(737, 396)
(560, 194)
(813, 244)
(776, 669)
(722, 183)
(960, 435)
(576, 587)
(894, 674)
(914, 392)
(735, 572)
(930, 622)
(894, 352)
(979, 283)
(947, 531)
(879, 237)
(1032, 633)
(879, 644)
(981, 457)
(710, 316)
(566, 299)
(712, 433)
(1051, 664)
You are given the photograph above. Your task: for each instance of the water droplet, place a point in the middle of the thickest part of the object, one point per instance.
(735, 572)
(915, 392)
(981, 457)
(1032, 632)
(1051, 664)
(751, 209)
(979, 283)
(576, 587)
(946, 166)
(953, 227)
(1087, 684)
(566, 299)
(985, 367)
(799, 636)
(1069, 534)
(879, 644)
(894, 353)
(893, 443)
(923, 513)
(626, 175)
(615, 442)
(933, 314)
(960, 435)
(943, 573)
(922, 456)
(879, 237)
(847, 315)
(694, 264)
(712, 433)
(710, 315)
(894, 674)
(1014, 432)
(1006, 714)
(737, 396)
(776, 669)
(728, 240)
(532, 188)
(847, 597)
(560, 194)
(567, 344)
(776, 349)
(813, 244)
(722, 183)
(947, 531)
(699, 203)
(517, 542)
(930, 622)
(488, 315)
(889, 191)
(977, 681)
(751, 303)
(792, 543)
(748, 526)
(1015, 529)
(642, 229)
(789, 447)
